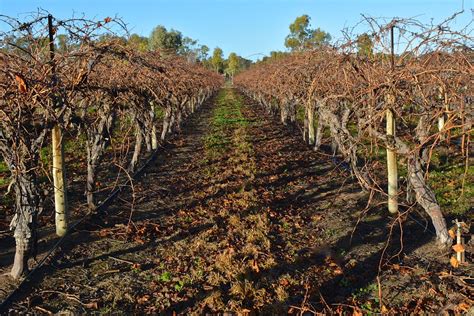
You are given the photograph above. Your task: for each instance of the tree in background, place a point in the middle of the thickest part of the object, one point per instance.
(138, 42)
(217, 60)
(189, 49)
(244, 63)
(162, 39)
(274, 55)
(302, 36)
(233, 65)
(365, 45)
(203, 53)
(112, 38)
(62, 42)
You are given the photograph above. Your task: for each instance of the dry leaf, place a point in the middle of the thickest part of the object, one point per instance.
(255, 266)
(284, 282)
(454, 262)
(244, 312)
(464, 307)
(143, 299)
(338, 271)
(458, 248)
(93, 305)
(21, 84)
(136, 266)
(357, 313)
(452, 234)
(384, 309)
(107, 19)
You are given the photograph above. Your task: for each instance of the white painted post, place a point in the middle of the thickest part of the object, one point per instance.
(59, 182)
(392, 171)
(60, 197)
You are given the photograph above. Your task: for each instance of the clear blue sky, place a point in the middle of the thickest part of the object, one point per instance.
(244, 26)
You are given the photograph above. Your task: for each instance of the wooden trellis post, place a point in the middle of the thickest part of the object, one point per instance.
(442, 118)
(311, 130)
(392, 171)
(60, 195)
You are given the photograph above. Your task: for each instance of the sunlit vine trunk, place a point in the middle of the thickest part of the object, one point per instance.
(140, 133)
(426, 198)
(154, 137)
(318, 132)
(166, 122)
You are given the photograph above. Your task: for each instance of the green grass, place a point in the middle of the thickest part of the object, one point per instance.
(159, 113)
(46, 156)
(3, 167)
(4, 173)
(447, 183)
(226, 116)
(300, 113)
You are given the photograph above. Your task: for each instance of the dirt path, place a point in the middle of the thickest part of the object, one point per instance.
(236, 215)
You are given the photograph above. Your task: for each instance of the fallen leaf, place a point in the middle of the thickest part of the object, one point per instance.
(384, 309)
(284, 282)
(255, 266)
(338, 271)
(464, 307)
(136, 266)
(357, 312)
(454, 262)
(143, 299)
(21, 84)
(93, 305)
(458, 248)
(245, 312)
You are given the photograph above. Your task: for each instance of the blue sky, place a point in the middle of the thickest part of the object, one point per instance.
(247, 27)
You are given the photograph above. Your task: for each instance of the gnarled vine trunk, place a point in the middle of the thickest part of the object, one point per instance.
(426, 197)
(27, 205)
(137, 148)
(98, 139)
(166, 122)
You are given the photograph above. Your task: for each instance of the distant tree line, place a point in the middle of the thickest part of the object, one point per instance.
(303, 37)
(174, 42)
(166, 41)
